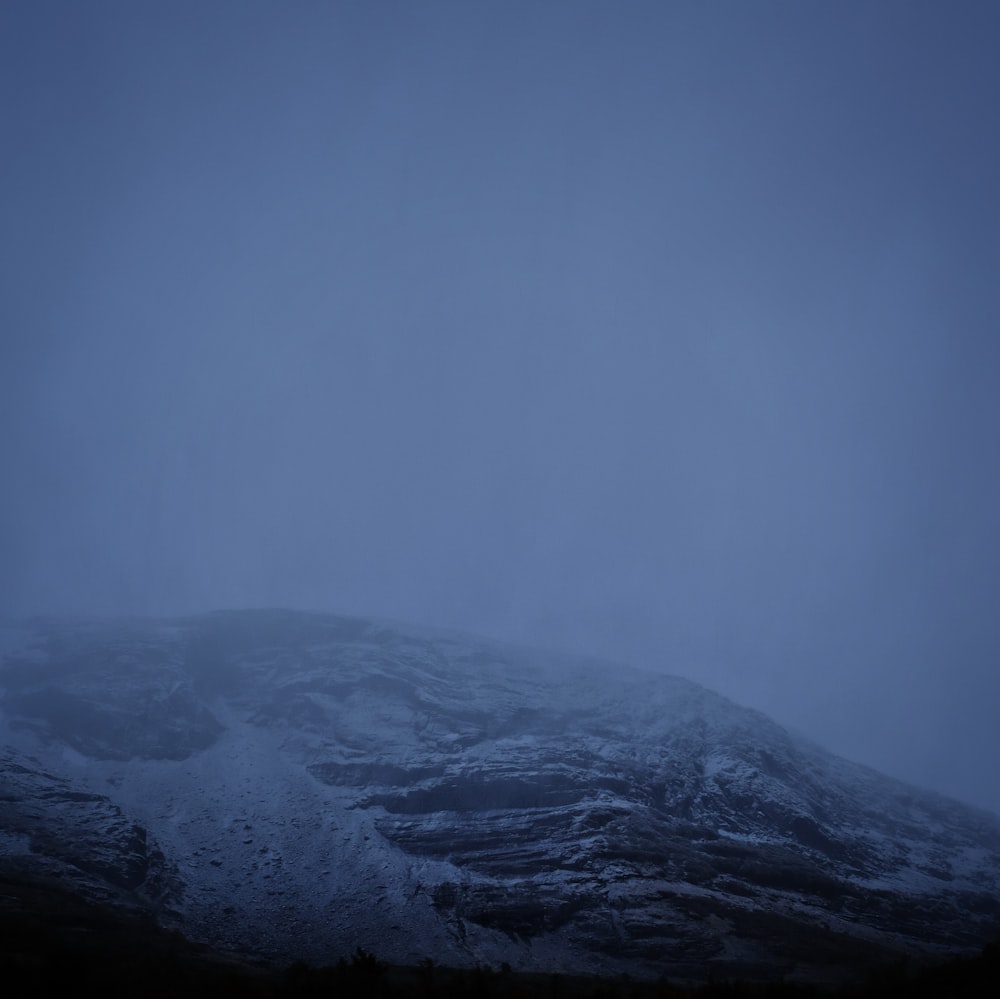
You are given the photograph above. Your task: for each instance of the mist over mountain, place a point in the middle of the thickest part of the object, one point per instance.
(663, 332)
(293, 786)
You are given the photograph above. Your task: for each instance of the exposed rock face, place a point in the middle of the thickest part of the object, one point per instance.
(52, 830)
(322, 783)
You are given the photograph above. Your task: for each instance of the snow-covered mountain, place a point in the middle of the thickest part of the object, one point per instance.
(296, 785)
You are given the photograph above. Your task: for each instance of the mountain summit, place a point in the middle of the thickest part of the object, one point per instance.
(296, 785)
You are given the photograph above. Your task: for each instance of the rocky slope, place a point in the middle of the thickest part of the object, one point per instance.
(296, 785)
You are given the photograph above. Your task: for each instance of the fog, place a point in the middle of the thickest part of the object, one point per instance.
(665, 332)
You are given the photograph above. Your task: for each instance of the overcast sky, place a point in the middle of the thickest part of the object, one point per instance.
(667, 331)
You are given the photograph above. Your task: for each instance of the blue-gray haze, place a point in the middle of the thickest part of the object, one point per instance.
(666, 331)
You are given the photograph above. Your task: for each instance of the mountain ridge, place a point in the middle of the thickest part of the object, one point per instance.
(318, 782)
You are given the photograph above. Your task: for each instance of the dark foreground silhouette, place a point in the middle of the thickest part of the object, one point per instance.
(52, 944)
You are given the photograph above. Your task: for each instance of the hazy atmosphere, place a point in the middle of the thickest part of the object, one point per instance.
(665, 332)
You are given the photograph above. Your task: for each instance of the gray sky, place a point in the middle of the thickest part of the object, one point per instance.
(665, 331)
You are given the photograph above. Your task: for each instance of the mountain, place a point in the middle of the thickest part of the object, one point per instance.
(294, 786)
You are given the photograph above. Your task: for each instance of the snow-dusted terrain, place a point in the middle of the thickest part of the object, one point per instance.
(295, 785)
